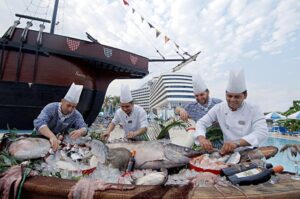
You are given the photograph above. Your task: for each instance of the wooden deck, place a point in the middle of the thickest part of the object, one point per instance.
(48, 187)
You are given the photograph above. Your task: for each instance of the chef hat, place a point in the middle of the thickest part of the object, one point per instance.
(74, 93)
(236, 82)
(198, 84)
(125, 96)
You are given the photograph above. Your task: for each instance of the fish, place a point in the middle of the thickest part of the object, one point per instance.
(154, 178)
(29, 148)
(234, 158)
(99, 149)
(158, 154)
(118, 157)
(294, 149)
(267, 151)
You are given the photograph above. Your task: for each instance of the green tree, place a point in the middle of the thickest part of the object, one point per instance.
(292, 125)
(106, 103)
(115, 102)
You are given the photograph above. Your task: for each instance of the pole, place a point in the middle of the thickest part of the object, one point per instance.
(54, 16)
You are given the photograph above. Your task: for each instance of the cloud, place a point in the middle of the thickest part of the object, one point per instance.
(229, 33)
(287, 21)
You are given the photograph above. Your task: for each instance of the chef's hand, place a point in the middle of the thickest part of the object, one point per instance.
(76, 134)
(205, 143)
(183, 114)
(228, 147)
(54, 142)
(131, 134)
(105, 135)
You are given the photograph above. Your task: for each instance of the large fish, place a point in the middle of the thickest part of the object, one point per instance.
(29, 148)
(266, 151)
(157, 154)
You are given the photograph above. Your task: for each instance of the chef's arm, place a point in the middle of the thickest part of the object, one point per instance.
(83, 131)
(111, 127)
(45, 131)
(242, 142)
(141, 131)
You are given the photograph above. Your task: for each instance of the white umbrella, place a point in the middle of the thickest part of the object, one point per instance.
(295, 116)
(275, 116)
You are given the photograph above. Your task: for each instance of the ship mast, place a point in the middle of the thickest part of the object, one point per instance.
(54, 16)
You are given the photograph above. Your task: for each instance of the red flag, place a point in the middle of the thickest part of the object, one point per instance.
(125, 2)
(166, 39)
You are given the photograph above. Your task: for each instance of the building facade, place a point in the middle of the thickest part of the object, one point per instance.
(141, 96)
(164, 93)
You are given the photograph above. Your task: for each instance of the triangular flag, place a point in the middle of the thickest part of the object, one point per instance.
(150, 25)
(157, 33)
(142, 19)
(133, 10)
(166, 39)
(125, 2)
(177, 46)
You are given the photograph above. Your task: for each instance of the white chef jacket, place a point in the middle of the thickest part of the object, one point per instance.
(247, 123)
(136, 120)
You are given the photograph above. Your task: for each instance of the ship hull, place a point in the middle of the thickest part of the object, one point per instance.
(32, 76)
(22, 102)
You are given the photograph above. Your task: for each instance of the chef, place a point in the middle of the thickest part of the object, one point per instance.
(243, 124)
(132, 117)
(196, 110)
(59, 117)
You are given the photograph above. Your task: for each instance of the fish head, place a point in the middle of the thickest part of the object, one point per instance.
(100, 150)
(185, 151)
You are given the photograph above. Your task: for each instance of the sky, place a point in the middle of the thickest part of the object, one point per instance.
(260, 36)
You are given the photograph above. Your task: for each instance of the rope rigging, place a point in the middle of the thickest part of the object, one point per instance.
(185, 57)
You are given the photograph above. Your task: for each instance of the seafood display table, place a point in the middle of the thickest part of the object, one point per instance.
(54, 188)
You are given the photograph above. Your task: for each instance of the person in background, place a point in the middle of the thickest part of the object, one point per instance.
(203, 104)
(132, 117)
(59, 117)
(243, 124)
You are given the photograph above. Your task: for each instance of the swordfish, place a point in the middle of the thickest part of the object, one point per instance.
(157, 154)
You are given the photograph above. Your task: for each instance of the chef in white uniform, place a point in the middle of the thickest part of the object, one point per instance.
(243, 124)
(132, 117)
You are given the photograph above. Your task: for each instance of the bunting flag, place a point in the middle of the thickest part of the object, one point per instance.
(157, 33)
(125, 2)
(150, 25)
(167, 39)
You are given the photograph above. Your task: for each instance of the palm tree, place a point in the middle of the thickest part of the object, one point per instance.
(106, 104)
(292, 125)
(115, 103)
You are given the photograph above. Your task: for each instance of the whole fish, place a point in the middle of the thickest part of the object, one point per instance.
(158, 154)
(117, 157)
(155, 178)
(29, 148)
(266, 151)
